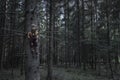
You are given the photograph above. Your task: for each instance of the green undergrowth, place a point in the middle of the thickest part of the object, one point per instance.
(72, 74)
(58, 74)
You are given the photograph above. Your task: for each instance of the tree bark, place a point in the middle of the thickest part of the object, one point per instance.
(2, 25)
(83, 55)
(50, 43)
(31, 63)
(108, 37)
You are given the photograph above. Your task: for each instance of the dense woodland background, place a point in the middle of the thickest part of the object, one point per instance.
(76, 36)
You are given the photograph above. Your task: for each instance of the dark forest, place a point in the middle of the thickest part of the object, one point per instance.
(59, 39)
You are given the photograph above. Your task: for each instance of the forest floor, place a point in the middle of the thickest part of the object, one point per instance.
(58, 74)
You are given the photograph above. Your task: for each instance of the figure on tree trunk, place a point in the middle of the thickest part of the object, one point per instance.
(33, 36)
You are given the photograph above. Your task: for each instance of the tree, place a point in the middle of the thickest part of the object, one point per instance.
(50, 42)
(32, 63)
(2, 25)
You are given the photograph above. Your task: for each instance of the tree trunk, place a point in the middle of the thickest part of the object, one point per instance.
(78, 49)
(2, 25)
(32, 63)
(82, 35)
(50, 34)
(108, 37)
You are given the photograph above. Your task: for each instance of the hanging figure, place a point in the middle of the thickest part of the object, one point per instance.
(33, 36)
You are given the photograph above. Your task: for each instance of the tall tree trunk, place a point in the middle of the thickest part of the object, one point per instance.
(66, 13)
(2, 25)
(32, 63)
(78, 49)
(50, 34)
(92, 54)
(65, 56)
(82, 35)
(108, 36)
(12, 27)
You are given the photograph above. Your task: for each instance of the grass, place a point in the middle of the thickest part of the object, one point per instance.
(58, 74)
(71, 74)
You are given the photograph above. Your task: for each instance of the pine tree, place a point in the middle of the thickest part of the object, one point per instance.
(32, 63)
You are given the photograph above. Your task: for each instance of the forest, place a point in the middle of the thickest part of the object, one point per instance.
(59, 39)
